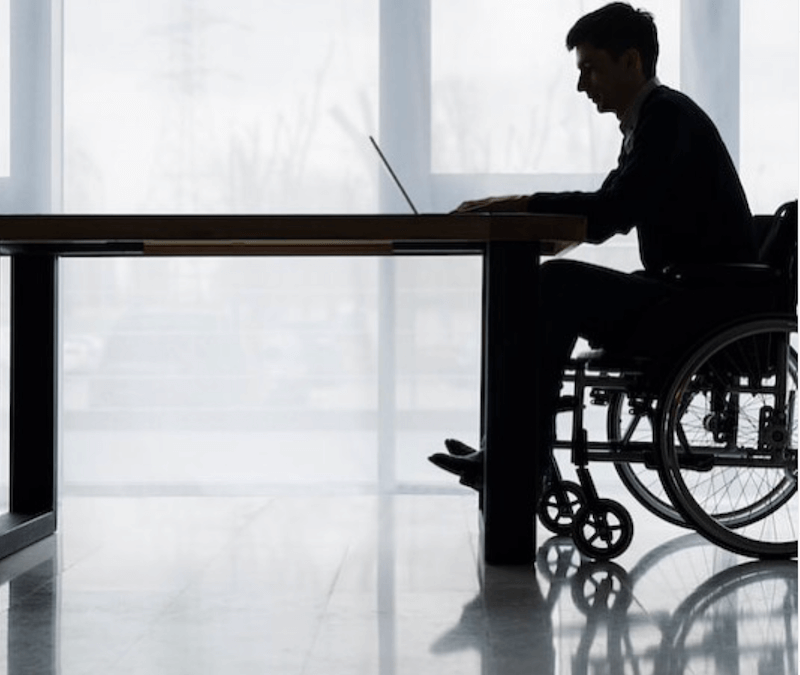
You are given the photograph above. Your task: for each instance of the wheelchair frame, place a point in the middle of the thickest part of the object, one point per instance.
(737, 446)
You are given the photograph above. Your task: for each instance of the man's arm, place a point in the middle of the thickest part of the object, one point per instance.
(640, 184)
(645, 182)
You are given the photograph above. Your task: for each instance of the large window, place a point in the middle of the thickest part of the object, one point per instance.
(770, 106)
(504, 89)
(213, 373)
(204, 106)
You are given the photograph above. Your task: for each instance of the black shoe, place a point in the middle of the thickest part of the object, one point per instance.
(458, 449)
(473, 480)
(469, 468)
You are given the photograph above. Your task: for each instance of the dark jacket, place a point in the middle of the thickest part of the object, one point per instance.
(677, 186)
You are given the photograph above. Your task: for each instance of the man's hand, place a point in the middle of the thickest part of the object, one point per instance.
(517, 203)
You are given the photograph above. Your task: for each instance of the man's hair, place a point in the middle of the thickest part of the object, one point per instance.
(616, 28)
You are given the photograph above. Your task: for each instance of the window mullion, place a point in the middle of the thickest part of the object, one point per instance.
(710, 62)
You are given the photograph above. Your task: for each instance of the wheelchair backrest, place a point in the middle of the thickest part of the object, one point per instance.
(778, 246)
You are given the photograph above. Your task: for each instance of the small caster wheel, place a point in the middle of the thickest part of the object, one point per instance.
(560, 503)
(603, 530)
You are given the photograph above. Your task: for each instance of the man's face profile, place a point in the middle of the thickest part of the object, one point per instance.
(610, 83)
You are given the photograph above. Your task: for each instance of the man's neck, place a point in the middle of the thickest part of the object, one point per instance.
(630, 113)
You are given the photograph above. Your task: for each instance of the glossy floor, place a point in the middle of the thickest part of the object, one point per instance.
(381, 585)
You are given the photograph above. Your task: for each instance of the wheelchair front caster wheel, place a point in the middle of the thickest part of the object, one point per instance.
(560, 503)
(602, 530)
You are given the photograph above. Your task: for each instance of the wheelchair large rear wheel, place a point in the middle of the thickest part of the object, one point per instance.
(727, 437)
(631, 422)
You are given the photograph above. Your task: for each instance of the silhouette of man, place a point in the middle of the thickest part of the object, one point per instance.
(675, 183)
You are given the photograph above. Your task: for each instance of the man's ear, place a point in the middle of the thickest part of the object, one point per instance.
(633, 60)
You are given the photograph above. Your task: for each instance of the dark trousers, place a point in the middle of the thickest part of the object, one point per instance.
(582, 300)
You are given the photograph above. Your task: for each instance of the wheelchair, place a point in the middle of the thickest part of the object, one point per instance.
(700, 420)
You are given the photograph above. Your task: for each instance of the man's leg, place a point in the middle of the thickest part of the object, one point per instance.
(582, 300)
(576, 299)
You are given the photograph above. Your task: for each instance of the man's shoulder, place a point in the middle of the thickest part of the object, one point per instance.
(663, 95)
(665, 99)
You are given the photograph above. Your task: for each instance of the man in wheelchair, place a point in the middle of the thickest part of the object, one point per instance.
(675, 183)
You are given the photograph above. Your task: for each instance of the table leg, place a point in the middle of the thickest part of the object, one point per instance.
(33, 409)
(509, 402)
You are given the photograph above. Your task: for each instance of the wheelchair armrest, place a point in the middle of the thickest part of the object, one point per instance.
(722, 274)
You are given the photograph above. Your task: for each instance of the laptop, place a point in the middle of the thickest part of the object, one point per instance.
(397, 182)
(393, 174)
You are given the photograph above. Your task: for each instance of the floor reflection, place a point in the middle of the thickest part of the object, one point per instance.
(580, 617)
(394, 597)
(30, 579)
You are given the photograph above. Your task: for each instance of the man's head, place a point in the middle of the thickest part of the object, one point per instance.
(617, 50)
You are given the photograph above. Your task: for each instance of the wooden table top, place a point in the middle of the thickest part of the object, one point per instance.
(283, 234)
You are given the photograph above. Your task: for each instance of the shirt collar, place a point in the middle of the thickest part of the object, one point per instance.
(631, 116)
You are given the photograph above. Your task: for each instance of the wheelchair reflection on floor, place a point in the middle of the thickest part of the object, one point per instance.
(701, 421)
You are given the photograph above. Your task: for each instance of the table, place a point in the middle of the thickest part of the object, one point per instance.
(511, 245)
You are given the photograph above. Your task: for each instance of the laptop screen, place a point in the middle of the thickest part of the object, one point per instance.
(393, 175)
